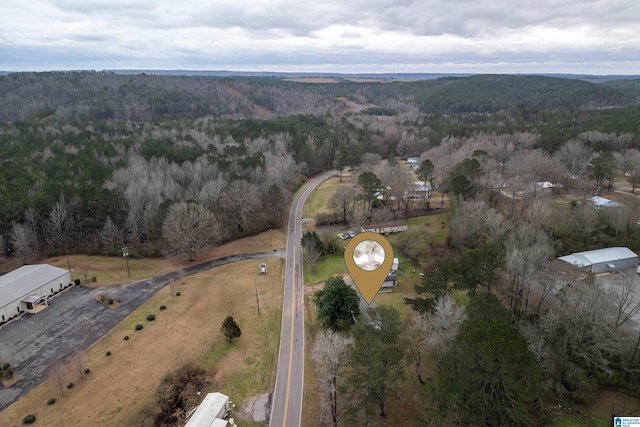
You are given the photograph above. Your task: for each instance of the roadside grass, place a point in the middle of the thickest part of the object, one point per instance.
(317, 202)
(119, 386)
(325, 268)
(113, 270)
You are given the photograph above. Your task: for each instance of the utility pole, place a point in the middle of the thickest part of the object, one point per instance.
(68, 263)
(255, 284)
(125, 254)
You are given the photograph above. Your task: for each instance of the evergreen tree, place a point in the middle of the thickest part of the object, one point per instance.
(230, 329)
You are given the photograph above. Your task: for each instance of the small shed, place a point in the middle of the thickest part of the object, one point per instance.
(390, 281)
(212, 411)
(603, 260)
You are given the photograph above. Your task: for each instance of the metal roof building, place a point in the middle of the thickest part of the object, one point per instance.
(211, 412)
(603, 260)
(23, 288)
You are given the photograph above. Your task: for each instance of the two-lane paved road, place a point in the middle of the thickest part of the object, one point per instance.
(286, 408)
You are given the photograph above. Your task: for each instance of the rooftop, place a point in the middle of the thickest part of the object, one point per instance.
(26, 279)
(587, 258)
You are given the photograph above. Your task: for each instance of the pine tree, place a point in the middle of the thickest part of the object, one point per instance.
(230, 329)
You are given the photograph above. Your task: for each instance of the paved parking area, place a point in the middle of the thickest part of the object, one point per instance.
(75, 320)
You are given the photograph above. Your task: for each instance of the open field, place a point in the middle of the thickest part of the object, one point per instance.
(318, 200)
(120, 385)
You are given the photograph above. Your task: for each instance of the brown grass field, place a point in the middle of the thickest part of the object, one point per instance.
(120, 385)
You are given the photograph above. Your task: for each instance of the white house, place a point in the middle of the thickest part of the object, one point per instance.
(211, 412)
(23, 288)
(419, 190)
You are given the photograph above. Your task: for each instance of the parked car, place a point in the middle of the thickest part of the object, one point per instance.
(351, 234)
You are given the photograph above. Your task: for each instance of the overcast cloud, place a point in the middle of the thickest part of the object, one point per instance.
(464, 36)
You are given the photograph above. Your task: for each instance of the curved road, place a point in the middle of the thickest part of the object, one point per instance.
(286, 407)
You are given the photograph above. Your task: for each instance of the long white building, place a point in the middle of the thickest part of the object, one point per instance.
(22, 289)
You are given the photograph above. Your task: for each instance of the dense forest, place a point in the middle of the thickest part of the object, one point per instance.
(94, 161)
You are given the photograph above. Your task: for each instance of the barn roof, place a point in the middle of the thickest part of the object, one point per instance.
(587, 258)
(21, 281)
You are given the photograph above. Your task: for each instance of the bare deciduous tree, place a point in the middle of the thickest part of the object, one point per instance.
(343, 203)
(190, 227)
(624, 295)
(528, 250)
(330, 354)
(24, 242)
(241, 201)
(435, 331)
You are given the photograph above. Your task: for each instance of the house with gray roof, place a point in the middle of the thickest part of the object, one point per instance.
(24, 288)
(603, 260)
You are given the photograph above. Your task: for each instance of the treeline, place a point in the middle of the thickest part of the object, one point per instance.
(105, 96)
(141, 97)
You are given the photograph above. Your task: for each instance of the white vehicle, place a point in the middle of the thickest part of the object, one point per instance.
(343, 236)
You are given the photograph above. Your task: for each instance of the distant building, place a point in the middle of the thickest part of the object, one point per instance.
(603, 260)
(419, 190)
(414, 162)
(24, 288)
(212, 412)
(600, 202)
(384, 228)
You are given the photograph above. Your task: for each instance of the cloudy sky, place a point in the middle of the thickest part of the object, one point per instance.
(348, 36)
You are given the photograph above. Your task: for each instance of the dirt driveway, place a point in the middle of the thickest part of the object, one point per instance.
(75, 320)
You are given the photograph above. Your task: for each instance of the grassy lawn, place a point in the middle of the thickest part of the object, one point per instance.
(319, 198)
(120, 385)
(325, 268)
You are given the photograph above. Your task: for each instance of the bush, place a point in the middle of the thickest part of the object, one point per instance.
(70, 385)
(29, 419)
(110, 301)
(162, 307)
(178, 293)
(325, 219)
(77, 282)
(139, 327)
(151, 317)
(108, 353)
(87, 370)
(126, 337)
(51, 401)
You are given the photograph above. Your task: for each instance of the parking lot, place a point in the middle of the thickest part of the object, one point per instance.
(75, 320)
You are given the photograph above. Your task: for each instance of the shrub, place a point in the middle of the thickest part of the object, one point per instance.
(108, 353)
(126, 337)
(139, 327)
(70, 385)
(110, 301)
(29, 419)
(162, 307)
(51, 401)
(151, 317)
(77, 282)
(178, 293)
(87, 370)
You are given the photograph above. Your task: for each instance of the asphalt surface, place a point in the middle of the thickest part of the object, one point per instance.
(286, 409)
(75, 320)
